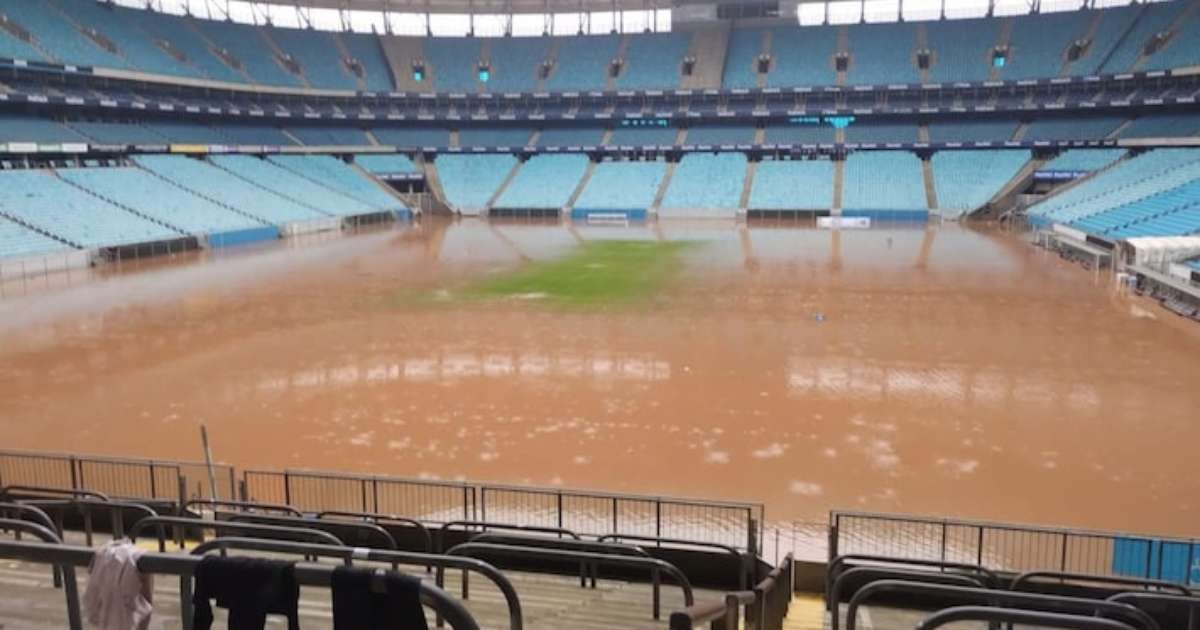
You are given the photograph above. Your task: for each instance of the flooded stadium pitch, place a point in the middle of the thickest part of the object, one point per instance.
(942, 370)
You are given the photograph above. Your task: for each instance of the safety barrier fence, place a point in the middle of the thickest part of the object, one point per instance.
(739, 525)
(1004, 547)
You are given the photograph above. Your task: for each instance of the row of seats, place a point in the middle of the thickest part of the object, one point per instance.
(27, 128)
(705, 182)
(1173, 212)
(1083, 160)
(544, 182)
(792, 185)
(17, 240)
(966, 180)
(883, 181)
(961, 50)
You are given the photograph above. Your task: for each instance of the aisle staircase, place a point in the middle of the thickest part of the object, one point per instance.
(806, 612)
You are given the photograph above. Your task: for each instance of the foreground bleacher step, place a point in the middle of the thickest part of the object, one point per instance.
(806, 612)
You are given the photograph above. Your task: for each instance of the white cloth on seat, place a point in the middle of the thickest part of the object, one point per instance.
(118, 596)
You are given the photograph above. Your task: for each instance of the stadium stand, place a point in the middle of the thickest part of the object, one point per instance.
(1037, 45)
(329, 136)
(570, 137)
(206, 180)
(471, 180)
(1129, 182)
(197, 60)
(792, 185)
(653, 61)
(185, 132)
(153, 197)
(1089, 128)
(966, 180)
(884, 185)
(52, 32)
(340, 177)
(1162, 126)
(1180, 50)
(883, 54)
(317, 54)
(803, 56)
(643, 136)
(972, 131)
(514, 61)
(799, 134)
(116, 133)
(288, 184)
(582, 62)
(1153, 18)
(544, 182)
(412, 136)
(1171, 212)
(1083, 160)
(251, 134)
(720, 134)
(622, 186)
(132, 45)
(365, 49)
(961, 49)
(22, 128)
(1114, 23)
(704, 182)
(249, 46)
(494, 136)
(881, 132)
(453, 62)
(17, 240)
(741, 59)
(43, 200)
(386, 163)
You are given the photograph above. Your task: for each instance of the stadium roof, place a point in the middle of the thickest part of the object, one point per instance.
(486, 6)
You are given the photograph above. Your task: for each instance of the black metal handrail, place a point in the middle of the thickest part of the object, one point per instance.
(382, 518)
(832, 568)
(871, 574)
(270, 532)
(1062, 576)
(369, 530)
(656, 567)
(486, 525)
(350, 554)
(87, 507)
(39, 515)
(746, 568)
(766, 605)
(244, 505)
(185, 566)
(66, 570)
(992, 597)
(1024, 617)
(1192, 603)
(42, 491)
(569, 544)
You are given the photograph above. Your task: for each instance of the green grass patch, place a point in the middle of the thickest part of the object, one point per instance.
(598, 273)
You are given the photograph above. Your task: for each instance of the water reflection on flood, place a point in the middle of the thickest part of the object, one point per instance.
(938, 369)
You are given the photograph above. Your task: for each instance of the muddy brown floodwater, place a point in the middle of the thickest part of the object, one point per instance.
(948, 371)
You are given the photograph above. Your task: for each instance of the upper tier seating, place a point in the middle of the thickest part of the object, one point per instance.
(13, 48)
(412, 136)
(39, 198)
(1181, 51)
(877, 181)
(1170, 212)
(643, 136)
(154, 197)
(741, 58)
(799, 134)
(582, 63)
(1162, 126)
(55, 35)
(1113, 24)
(288, 184)
(1083, 160)
(469, 181)
(720, 134)
(366, 50)
(622, 186)
(136, 50)
(386, 163)
(972, 131)
(544, 182)
(186, 40)
(249, 46)
(792, 185)
(1091, 128)
(1038, 43)
(243, 133)
(453, 62)
(570, 137)
(653, 61)
(318, 55)
(22, 128)
(16, 241)
(340, 177)
(227, 189)
(330, 136)
(494, 136)
(116, 133)
(186, 132)
(881, 132)
(883, 53)
(961, 49)
(803, 56)
(966, 180)
(1128, 182)
(515, 61)
(1155, 17)
(706, 181)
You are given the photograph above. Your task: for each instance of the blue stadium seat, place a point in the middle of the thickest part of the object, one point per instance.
(1073, 128)
(53, 33)
(792, 185)
(453, 62)
(1083, 160)
(515, 62)
(1155, 17)
(133, 46)
(365, 48)
(544, 182)
(342, 178)
(250, 134)
(290, 185)
(1038, 43)
(17, 241)
(720, 134)
(469, 181)
(386, 163)
(330, 136)
(961, 49)
(972, 130)
(116, 133)
(179, 33)
(1162, 126)
(799, 134)
(249, 46)
(643, 136)
(23, 128)
(745, 45)
(966, 180)
(1113, 25)
(882, 53)
(582, 62)
(494, 136)
(706, 181)
(803, 56)
(654, 61)
(412, 136)
(570, 137)
(318, 55)
(883, 182)
(622, 186)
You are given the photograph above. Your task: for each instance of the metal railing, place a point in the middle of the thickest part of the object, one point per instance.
(314, 491)
(1001, 546)
(655, 567)
(184, 566)
(180, 525)
(1016, 616)
(131, 478)
(765, 606)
